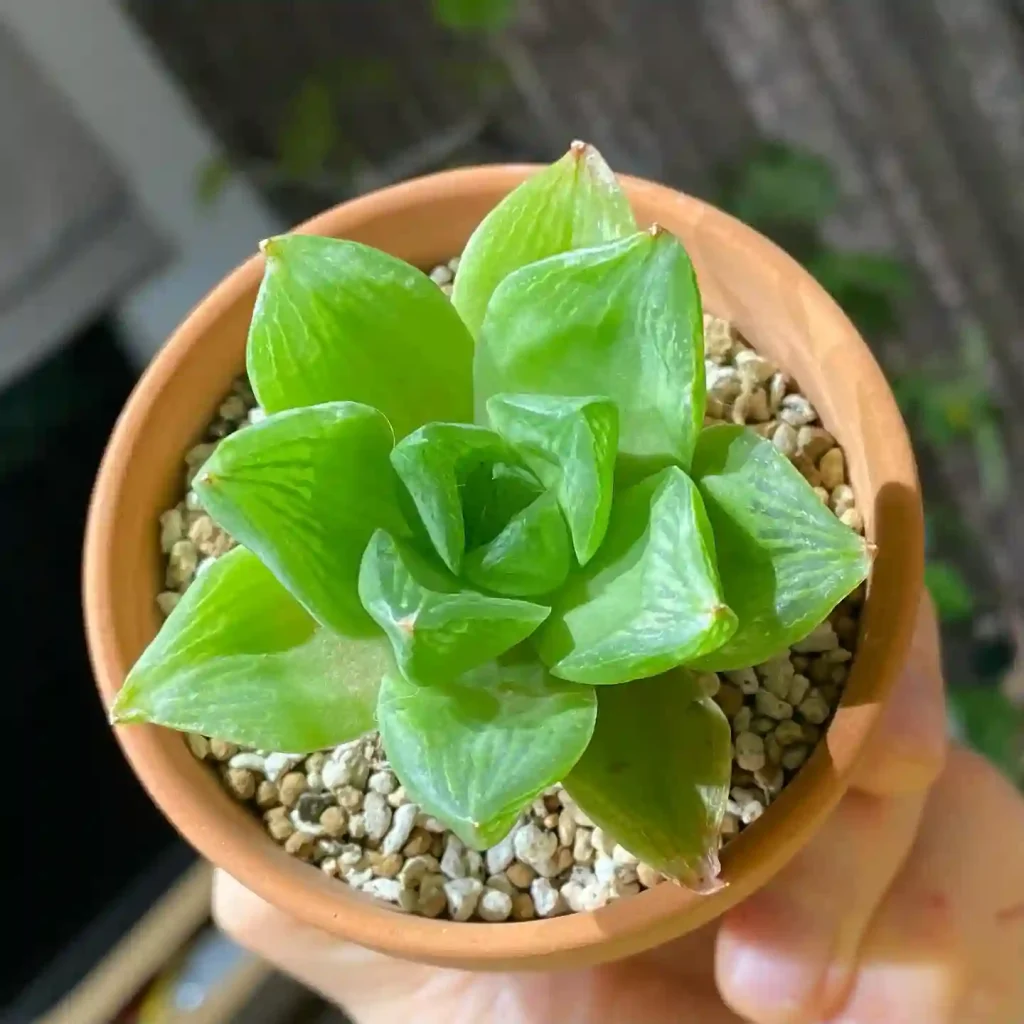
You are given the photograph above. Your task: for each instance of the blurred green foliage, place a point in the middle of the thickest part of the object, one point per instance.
(474, 15)
(986, 719)
(787, 193)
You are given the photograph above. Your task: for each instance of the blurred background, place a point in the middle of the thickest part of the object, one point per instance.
(147, 145)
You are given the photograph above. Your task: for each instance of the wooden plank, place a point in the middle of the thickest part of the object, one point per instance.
(148, 946)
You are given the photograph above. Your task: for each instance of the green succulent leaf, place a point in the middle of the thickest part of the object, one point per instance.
(570, 444)
(529, 557)
(436, 463)
(650, 599)
(437, 630)
(241, 660)
(305, 490)
(574, 203)
(784, 559)
(337, 320)
(494, 494)
(622, 320)
(656, 776)
(473, 752)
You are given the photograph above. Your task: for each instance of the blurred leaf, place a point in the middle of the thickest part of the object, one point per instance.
(656, 775)
(621, 320)
(576, 202)
(239, 659)
(437, 629)
(211, 180)
(953, 597)
(779, 184)
(530, 557)
(570, 444)
(475, 751)
(308, 130)
(474, 15)
(785, 561)
(650, 599)
(336, 320)
(304, 490)
(993, 462)
(985, 719)
(867, 286)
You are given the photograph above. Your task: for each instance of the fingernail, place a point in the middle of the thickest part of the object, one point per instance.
(772, 959)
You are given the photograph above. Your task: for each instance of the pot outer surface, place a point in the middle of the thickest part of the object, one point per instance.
(743, 277)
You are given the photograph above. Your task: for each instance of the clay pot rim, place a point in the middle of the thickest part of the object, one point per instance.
(622, 926)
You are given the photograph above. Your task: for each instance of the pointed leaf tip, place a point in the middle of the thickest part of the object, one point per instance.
(574, 203)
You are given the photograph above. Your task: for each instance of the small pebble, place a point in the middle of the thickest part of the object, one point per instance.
(501, 883)
(291, 787)
(771, 706)
(814, 442)
(788, 732)
(377, 815)
(749, 751)
(822, 638)
(277, 765)
(453, 862)
(648, 876)
(501, 855)
(222, 751)
(534, 847)
(522, 907)
(785, 439)
(199, 745)
(798, 687)
(794, 757)
(333, 821)
(299, 844)
(520, 875)
(385, 865)
(832, 468)
(746, 679)
(167, 601)
(583, 847)
(402, 823)
(797, 411)
(267, 795)
(494, 905)
(814, 708)
(383, 782)
(463, 894)
(385, 888)
(241, 782)
(547, 900)
(853, 519)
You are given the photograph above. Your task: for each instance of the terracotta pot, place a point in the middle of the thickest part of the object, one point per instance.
(743, 277)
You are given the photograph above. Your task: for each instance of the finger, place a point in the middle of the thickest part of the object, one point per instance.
(366, 984)
(784, 953)
(788, 952)
(374, 989)
(948, 944)
(907, 750)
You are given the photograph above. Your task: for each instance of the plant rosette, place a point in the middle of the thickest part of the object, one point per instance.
(520, 542)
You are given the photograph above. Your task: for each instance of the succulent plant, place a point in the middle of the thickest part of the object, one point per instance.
(496, 529)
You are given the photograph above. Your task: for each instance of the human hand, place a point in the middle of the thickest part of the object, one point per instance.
(906, 908)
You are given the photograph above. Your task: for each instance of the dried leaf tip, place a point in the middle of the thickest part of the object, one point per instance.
(268, 247)
(656, 231)
(578, 148)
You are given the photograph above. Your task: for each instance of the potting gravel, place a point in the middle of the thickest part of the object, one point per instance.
(344, 810)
